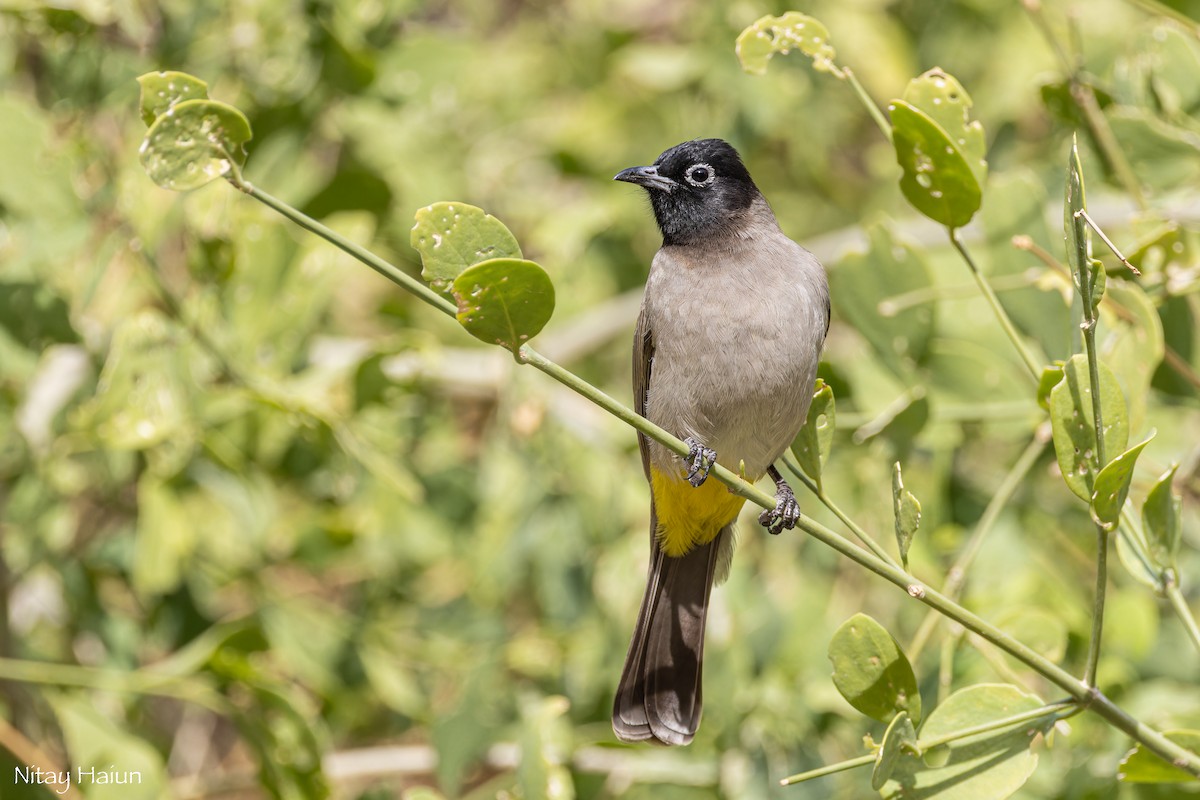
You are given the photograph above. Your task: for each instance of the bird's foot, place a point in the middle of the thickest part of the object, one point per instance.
(700, 460)
(786, 512)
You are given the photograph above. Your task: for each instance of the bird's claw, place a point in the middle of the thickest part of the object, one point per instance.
(785, 514)
(700, 460)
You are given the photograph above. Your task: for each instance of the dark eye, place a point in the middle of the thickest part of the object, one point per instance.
(699, 174)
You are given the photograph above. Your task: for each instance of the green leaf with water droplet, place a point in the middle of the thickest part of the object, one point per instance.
(811, 446)
(162, 90)
(1141, 766)
(937, 179)
(943, 99)
(792, 31)
(504, 301)
(987, 766)
(871, 672)
(194, 142)
(1112, 485)
(899, 733)
(1163, 521)
(1073, 423)
(907, 509)
(453, 236)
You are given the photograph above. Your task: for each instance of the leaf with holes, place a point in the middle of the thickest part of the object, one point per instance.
(162, 90)
(504, 301)
(812, 444)
(1112, 485)
(1163, 521)
(453, 236)
(871, 672)
(907, 509)
(194, 142)
(987, 766)
(1074, 428)
(937, 179)
(792, 31)
(943, 99)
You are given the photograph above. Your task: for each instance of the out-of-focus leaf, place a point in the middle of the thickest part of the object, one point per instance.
(899, 732)
(1162, 155)
(1141, 766)
(162, 90)
(1074, 427)
(871, 672)
(1112, 485)
(937, 179)
(1138, 564)
(1133, 345)
(504, 301)
(907, 511)
(34, 315)
(988, 766)
(102, 751)
(791, 31)
(812, 444)
(942, 98)
(452, 236)
(166, 538)
(1163, 521)
(1052, 375)
(194, 142)
(865, 288)
(544, 738)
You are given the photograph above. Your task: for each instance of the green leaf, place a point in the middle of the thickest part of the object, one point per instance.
(792, 31)
(1052, 375)
(871, 672)
(453, 236)
(865, 289)
(937, 179)
(1141, 766)
(544, 737)
(504, 301)
(899, 733)
(1135, 344)
(1137, 563)
(907, 510)
(1073, 423)
(1162, 155)
(812, 444)
(942, 98)
(1112, 485)
(194, 142)
(104, 749)
(162, 90)
(1083, 267)
(166, 538)
(1162, 517)
(987, 766)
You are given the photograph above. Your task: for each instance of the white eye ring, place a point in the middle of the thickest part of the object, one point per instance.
(709, 178)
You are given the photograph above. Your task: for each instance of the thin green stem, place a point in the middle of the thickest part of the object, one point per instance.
(864, 537)
(1093, 656)
(1164, 10)
(1096, 701)
(1183, 611)
(831, 769)
(1031, 363)
(136, 682)
(874, 110)
(957, 575)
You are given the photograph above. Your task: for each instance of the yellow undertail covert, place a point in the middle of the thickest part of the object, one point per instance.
(690, 516)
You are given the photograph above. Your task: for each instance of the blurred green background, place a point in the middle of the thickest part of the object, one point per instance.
(232, 455)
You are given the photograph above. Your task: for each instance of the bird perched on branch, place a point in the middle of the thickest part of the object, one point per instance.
(725, 355)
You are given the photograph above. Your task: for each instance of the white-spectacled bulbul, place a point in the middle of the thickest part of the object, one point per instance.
(725, 355)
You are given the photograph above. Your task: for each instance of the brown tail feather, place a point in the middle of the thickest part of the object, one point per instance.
(660, 696)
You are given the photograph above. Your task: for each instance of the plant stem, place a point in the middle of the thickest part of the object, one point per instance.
(1086, 695)
(876, 548)
(1031, 364)
(831, 769)
(1183, 611)
(957, 575)
(136, 682)
(872, 109)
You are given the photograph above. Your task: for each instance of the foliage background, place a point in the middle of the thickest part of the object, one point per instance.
(229, 452)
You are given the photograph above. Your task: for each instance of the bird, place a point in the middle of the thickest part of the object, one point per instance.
(732, 323)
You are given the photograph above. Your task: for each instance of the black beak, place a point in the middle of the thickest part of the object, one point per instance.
(646, 177)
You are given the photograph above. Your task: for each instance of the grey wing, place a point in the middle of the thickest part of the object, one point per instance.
(643, 360)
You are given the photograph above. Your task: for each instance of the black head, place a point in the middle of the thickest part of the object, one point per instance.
(698, 189)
